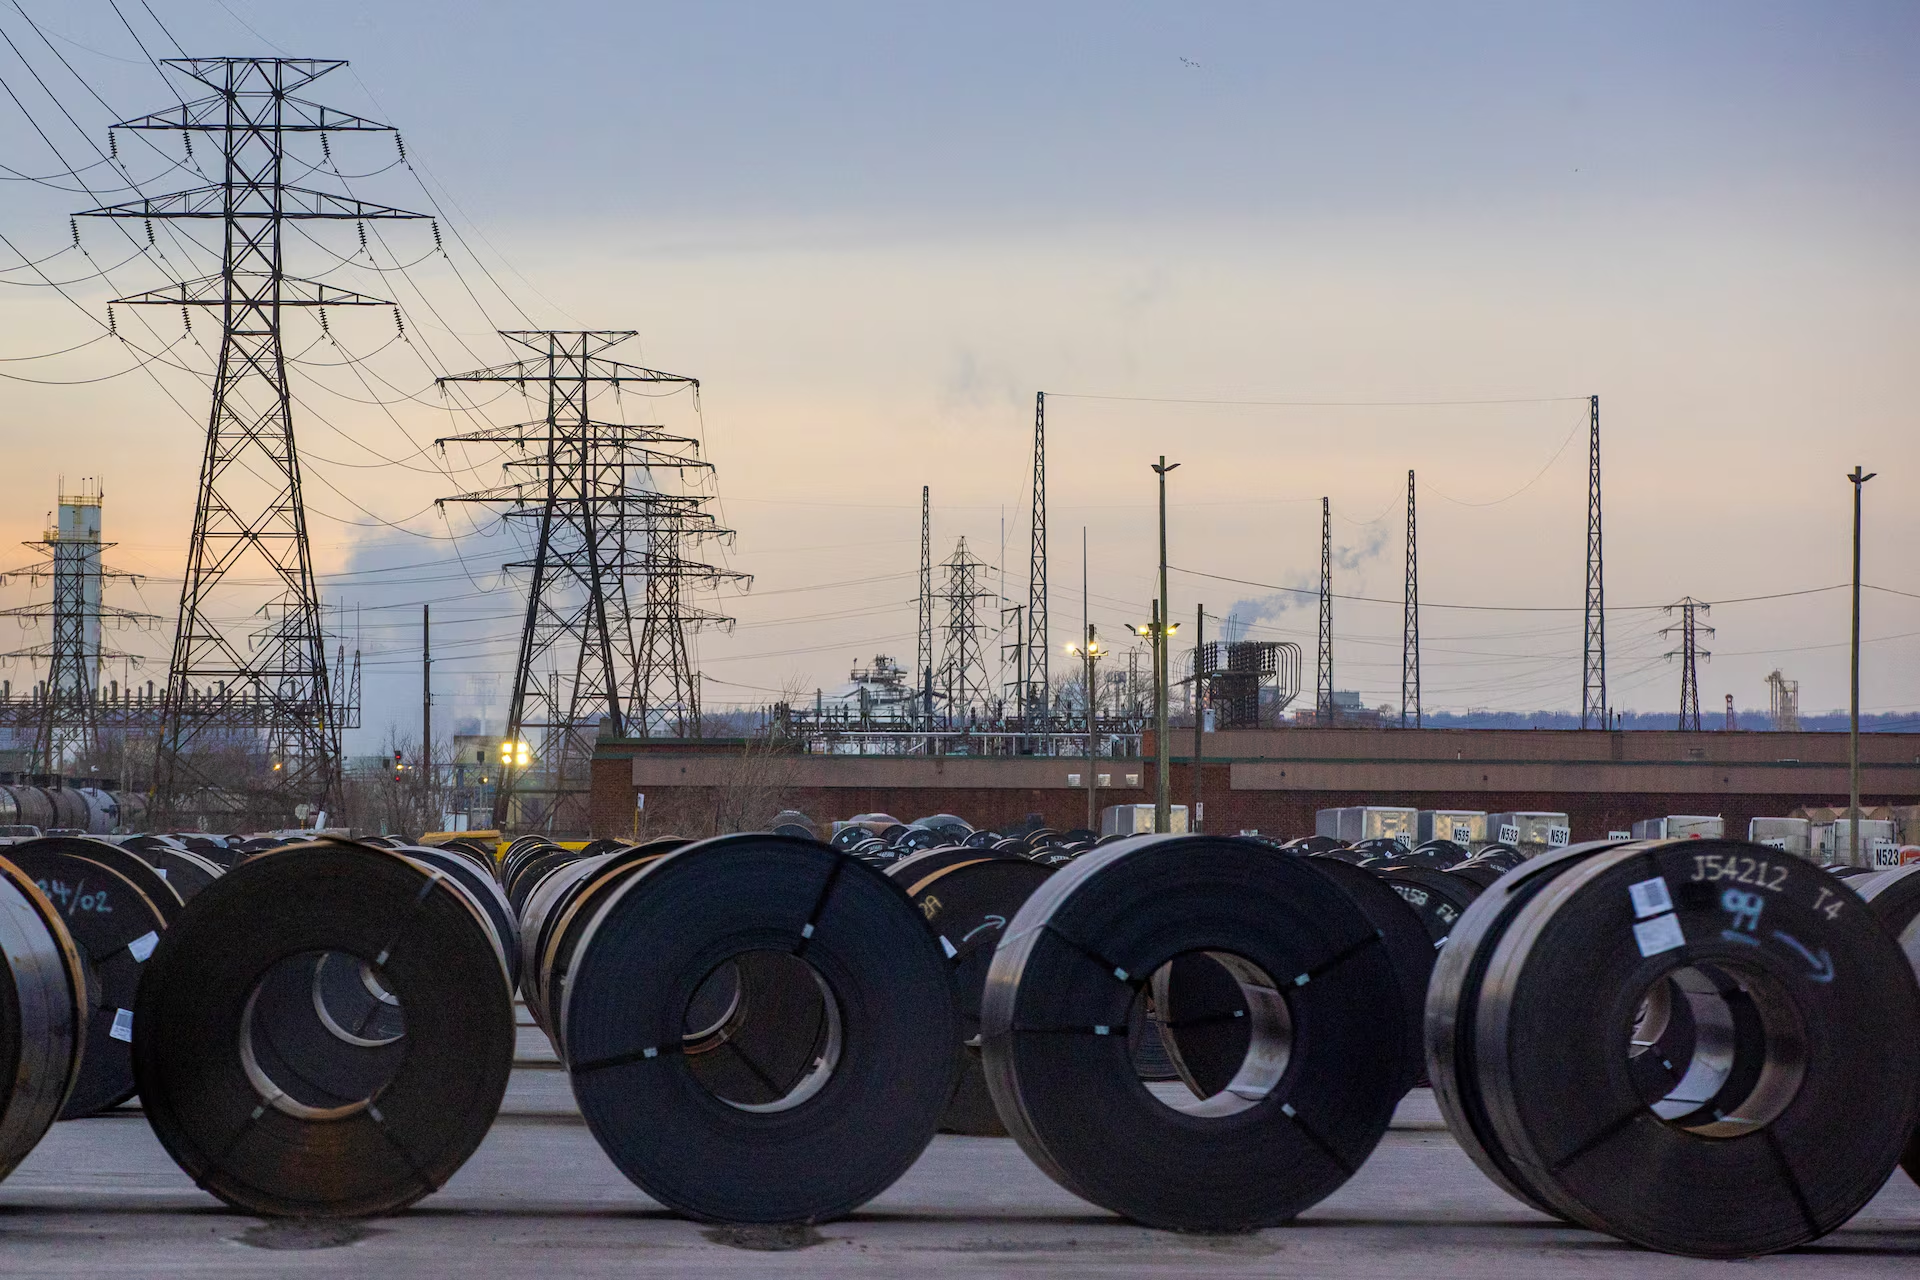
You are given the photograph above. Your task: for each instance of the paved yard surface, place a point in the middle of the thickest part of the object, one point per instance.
(100, 1198)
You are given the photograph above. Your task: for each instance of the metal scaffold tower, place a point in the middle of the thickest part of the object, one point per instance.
(1689, 654)
(69, 714)
(1039, 689)
(269, 687)
(923, 651)
(1410, 625)
(586, 493)
(962, 679)
(1593, 664)
(1323, 684)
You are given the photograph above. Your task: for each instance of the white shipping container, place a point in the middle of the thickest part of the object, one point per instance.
(1137, 819)
(1789, 835)
(1680, 827)
(1531, 832)
(1367, 822)
(1462, 826)
(1831, 841)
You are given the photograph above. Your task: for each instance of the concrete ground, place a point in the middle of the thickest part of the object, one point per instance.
(101, 1198)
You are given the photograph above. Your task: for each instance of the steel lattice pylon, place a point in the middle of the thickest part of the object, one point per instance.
(1689, 653)
(1323, 685)
(963, 668)
(598, 524)
(1038, 688)
(1593, 663)
(1410, 624)
(226, 689)
(923, 648)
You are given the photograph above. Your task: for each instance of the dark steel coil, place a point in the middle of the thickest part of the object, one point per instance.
(185, 871)
(206, 1064)
(1894, 896)
(1204, 1013)
(673, 946)
(43, 1024)
(1315, 1092)
(116, 913)
(1439, 898)
(560, 933)
(1804, 1080)
(967, 896)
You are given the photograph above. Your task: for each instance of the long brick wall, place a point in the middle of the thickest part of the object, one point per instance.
(1275, 781)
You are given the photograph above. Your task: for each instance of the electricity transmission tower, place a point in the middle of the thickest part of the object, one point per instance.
(963, 666)
(1410, 625)
(224, 687)
(1323, 687)
(1593, 662)
(586, 493)
(923, 651)
(1038, 688)
(68, 712)
(1689, 652)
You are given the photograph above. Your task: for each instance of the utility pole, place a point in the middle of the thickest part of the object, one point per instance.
(1037, 642)
(1410, 625)
(1162, 627)
(426, 699)
(1323, 687)
(249, 515)
(1199, 707)
(1689, 654)
(1593, 662)
(1090, 653)
(1853, 706)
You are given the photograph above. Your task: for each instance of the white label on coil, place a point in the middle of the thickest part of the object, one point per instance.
(1509, 834)
(161, 872)
(122, 1028)
(1650, 897)
(947, 947)
(1619, 835)
(1776, 842)
(1886, 853)
(143, 946)
(1558, 837)
(1462, 833)
(1662, 933)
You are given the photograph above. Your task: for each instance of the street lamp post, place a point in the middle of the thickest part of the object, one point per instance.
(1162, 790)
(1853, 718)
(1090, 653)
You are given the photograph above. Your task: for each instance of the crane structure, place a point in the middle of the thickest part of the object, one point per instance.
(260, 695)
(586, 494)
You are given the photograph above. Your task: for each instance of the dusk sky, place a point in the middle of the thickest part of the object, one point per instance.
(1300, 249)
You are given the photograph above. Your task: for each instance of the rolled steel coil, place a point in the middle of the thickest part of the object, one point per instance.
(43, 1025)
(1437, 897)
(116, 908)
(1204, 1012)
(246, 1098)
(185, 872)
(1803, 1082)
(966, 896)
(1314, 1093)
(557, 932)
(480, 888)
(1894, 896)
(854, 992)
